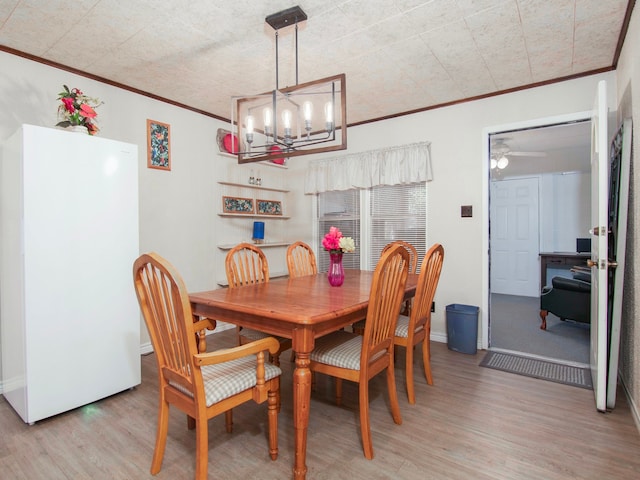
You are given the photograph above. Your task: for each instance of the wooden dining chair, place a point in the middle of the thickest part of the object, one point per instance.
(416, 328)
(358, 327)
(358, 358)
(413, 266)
(301, 260)
(247, 264)
(202, 385)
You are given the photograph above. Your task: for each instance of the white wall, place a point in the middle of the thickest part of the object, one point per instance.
(178, 209)
(461, 176)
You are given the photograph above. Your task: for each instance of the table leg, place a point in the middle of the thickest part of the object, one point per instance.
(301, 403)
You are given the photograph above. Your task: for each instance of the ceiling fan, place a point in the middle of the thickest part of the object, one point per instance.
(500, 153)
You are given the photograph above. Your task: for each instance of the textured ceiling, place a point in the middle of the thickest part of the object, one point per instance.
(398, 55)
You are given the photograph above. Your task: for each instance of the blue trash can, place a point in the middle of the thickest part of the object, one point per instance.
(462, 328)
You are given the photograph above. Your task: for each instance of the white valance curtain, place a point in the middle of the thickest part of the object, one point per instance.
(388, 166)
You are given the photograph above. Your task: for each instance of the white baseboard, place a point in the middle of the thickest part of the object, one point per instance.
(632, 405)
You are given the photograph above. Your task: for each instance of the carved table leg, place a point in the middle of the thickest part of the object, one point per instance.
(302, 346)
(301, 403)
(543, 316)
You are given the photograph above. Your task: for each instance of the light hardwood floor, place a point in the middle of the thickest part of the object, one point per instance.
(473, 423)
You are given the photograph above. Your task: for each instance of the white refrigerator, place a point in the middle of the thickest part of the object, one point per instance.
(70, 322)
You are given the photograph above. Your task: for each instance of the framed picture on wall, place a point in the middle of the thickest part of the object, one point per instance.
(158, 145)
(269, 207)
(237, 205)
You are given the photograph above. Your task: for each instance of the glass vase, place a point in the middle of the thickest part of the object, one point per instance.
(335, 275)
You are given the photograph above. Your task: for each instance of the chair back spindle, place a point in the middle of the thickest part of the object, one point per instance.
(301, 260)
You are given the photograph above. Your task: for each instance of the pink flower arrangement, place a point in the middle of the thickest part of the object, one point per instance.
(335, 242)
(77, 109)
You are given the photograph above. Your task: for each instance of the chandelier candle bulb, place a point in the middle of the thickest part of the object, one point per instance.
(249, 129)
(286, 122)
(328, 113)
(266, 113)
(307, 111)
(307, 108)
(286, 119)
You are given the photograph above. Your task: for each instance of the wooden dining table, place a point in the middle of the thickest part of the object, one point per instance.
(303, 309)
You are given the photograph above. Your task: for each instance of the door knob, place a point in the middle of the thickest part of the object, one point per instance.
(591, 263)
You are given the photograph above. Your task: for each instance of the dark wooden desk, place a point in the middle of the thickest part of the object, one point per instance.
(302, 309)
(563, 260)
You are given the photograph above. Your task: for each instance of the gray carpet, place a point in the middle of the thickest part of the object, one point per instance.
(514, 324)
(532, 367)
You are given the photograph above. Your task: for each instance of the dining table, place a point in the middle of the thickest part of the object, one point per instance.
(302, 309)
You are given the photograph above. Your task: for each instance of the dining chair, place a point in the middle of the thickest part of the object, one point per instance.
(358, 358)
(247, 264)
(358, 327)
(301, 260)
(413, 266)
(202, 385)
(415, 328)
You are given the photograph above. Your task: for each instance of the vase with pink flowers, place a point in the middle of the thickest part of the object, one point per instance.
(337, 244)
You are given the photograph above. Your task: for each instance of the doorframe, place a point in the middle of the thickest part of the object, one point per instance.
(486, 168)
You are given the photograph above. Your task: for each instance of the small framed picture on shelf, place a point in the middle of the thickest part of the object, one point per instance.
(237, 205)
(268, 207)
(158, 146)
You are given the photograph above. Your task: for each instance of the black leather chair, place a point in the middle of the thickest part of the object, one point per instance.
(567, 298)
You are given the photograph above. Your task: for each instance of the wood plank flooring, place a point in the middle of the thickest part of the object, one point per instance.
(473, 422)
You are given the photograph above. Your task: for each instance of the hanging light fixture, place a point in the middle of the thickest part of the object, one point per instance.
(292, 121)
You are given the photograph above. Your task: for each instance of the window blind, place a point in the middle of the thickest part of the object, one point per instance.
(339, 209)
(398, 212)
(391, 212)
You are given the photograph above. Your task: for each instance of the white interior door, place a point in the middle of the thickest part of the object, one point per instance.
(599, 245)
(514, 237)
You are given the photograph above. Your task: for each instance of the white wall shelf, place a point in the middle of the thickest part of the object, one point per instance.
(257, 187)
(254, 215)
(260, 245)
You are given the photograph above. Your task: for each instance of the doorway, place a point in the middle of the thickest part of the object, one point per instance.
(539, 201)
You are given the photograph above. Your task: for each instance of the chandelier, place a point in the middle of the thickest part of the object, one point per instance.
(292, 121)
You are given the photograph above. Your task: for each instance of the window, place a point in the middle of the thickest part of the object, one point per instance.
(342, 210)
(395, 212)
(398, 212)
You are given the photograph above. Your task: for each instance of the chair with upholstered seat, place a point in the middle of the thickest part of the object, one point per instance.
(358, 358)
(567, 298)
(301, 260)
(358, 327)
(246, 264)
(202, 385)
(413, 265)
(416, 328)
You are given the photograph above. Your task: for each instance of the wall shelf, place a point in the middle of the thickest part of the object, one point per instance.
(260, 245)
(257, 187)
(254, 215)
